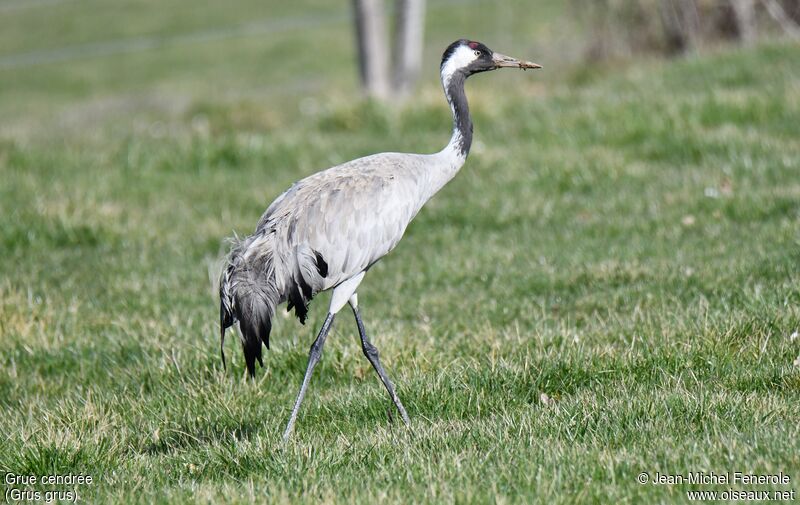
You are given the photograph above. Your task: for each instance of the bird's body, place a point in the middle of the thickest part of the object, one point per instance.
(329, 228)
(355, 213)
(317, 234)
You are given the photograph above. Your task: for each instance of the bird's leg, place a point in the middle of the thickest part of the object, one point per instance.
(313, 358)
(371, 352)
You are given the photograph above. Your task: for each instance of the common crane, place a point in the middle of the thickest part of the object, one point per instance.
(328, 229)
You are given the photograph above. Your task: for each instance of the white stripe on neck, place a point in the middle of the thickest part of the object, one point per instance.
(460, 58)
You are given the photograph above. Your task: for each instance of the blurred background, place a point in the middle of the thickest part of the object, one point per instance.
(75, 66)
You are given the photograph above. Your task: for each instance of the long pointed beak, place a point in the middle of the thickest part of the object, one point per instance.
(503, 61)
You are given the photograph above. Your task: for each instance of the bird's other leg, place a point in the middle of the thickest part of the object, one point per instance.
(371, 352)
(313, 358)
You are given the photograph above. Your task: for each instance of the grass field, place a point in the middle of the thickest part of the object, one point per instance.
(624, 240)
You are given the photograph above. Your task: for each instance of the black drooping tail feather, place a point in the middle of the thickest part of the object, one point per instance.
(248, 294)
(225, 322)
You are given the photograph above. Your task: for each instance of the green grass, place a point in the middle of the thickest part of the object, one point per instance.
(625, 243)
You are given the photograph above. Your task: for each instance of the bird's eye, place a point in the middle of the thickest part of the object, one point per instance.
(477, 53)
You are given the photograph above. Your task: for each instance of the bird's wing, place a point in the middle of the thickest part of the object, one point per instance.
(346, 218)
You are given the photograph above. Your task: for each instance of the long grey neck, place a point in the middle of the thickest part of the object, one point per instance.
(461, 140)
(446, 163)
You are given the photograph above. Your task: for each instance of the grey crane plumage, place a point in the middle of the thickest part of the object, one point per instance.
(328, 229)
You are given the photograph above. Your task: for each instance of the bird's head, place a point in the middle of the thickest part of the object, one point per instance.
(469, 57)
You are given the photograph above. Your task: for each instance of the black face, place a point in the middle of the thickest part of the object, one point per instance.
(484, 61)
